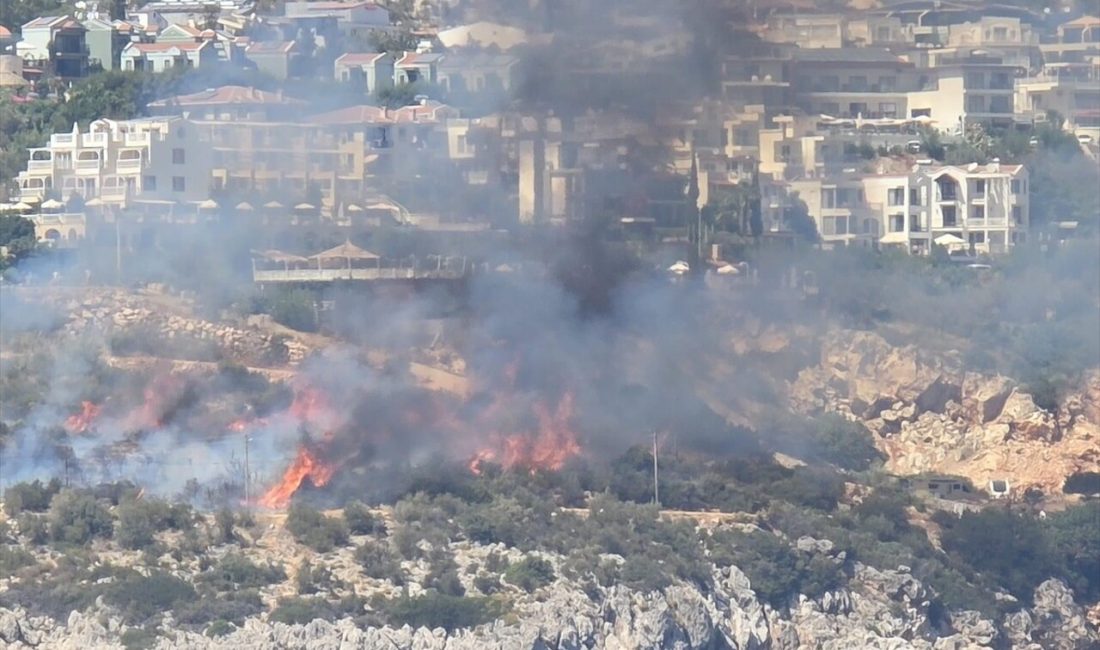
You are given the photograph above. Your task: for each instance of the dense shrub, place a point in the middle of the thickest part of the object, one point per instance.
(297, 610)
(1075, 536)
(360, 521)
(434, 610)
(233, 607)
(1013, 550)
(380, 562)
(312, 528)
(30, 497)
(846, 444)
(139, 598)
(33, 528)
(776, 571)
(225, 521)
(13, 558)
(443, 574)
(530, 573)
(235, 571)
(77, 518)
(138, 638)
(138, 522)
(314, 580)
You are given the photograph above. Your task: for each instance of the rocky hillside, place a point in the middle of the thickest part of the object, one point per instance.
(879, 609)
(929, 415)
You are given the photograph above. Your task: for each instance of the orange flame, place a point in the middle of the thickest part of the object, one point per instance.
(80, 422)
(305, 465)
(548, 448)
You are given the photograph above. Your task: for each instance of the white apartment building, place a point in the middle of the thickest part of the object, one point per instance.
(117, 161)
(982, 207)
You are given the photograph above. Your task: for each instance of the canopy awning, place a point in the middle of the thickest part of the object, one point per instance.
(273, 204)
(244, 206)
(894, 238)
(279, 256)
(208, 204)
(949, 240)
(345, 251)
(52, 204)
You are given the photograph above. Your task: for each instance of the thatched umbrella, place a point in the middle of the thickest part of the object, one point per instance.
(278, 257)
(347, 252)
(52, 204)
(244, 206)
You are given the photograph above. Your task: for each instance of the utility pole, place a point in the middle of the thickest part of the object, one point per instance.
(656, 486)
(118, 246)
(247, 474)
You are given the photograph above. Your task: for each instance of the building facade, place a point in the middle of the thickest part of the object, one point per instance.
(117, 161)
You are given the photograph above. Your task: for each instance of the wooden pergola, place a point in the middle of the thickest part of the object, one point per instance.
(351, 255)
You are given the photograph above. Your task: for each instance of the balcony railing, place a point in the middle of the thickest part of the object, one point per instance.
(62, 140)
(88, 165)
(39, 165)
(129, 164)
(93, 139)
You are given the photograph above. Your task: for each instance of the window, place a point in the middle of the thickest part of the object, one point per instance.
(977, 212)
(977, 238)
(828, 198)
(975, 80)
(887, 84)
(897, 223)
(461, 144)
(149, 183)
(1015, 187)
(1017, 215)
(949, 217)
(857, 83)
(178, 157)
(979, 188)
(888, 109)
(179, 184)
(895, 196)
(975, 104)
(882, 34)
(914, 196)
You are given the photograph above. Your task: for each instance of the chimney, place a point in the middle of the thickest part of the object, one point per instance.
(995, 165)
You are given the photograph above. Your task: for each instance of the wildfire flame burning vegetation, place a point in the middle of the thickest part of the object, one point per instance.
(518, 429)
(82, 421)
(306, 464)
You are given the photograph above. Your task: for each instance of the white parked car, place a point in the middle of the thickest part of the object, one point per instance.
(1084, 138)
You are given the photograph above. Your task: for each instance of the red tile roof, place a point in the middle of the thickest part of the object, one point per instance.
(270, 47)
(362, 114)
(228, 95)
(359, 58)
(152, 48)
(334, 6)
(1083, 21)
(4, 32)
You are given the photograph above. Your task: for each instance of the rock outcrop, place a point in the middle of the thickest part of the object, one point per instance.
(881, 609)
(929, 416)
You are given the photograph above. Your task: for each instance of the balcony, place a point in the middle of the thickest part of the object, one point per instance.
(93, 140)
(88, 167)
(136, 139)
(62, 140)
(129, 166)
(39, 165)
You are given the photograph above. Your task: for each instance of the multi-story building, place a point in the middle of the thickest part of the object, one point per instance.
(105, 43)
(276, 58)
(983, 208)
(369, 71)
(230, 103)
(116, 161)
(852, 82)
(161, 57)
(961, 90)
(1069, 81)
(55, 45)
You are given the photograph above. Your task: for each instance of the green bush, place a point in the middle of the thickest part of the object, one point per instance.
(139, 521)
(232, 607)
(1075, 536)
(139, 598)
(775, 570)
(311, 580)
(487, 584)
(218, 628)
(312, 528)
(225, 521)
(235, 571)
(13, 558)
(434, 610)
(137, 638)
(296, 610)
(294, 309)
(30, 497)
(530, 573)
(443, 574)
(846, 444)
(360, 521)
(77, 518)
(1013, 550)
(380, 562)
(33, 528)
